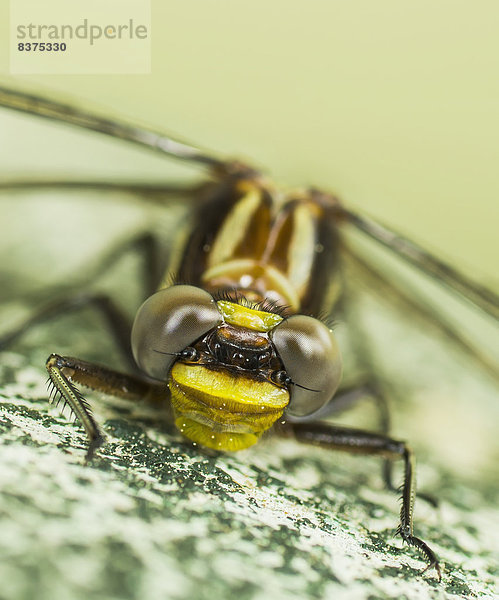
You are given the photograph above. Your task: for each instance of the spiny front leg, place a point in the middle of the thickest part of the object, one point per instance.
(365, 442)
(62, 388)
(64, 371)
(405, 529)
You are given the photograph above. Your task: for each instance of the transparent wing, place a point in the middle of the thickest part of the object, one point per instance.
(52, 175)
(429, 264)
(433, 350)
(70, 114)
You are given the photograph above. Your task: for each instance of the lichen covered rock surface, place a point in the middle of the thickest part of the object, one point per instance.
(153, 517)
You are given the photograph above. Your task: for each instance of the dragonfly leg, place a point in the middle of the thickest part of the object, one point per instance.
(118, 322)
(346, 398)
(408, 302)
(146, 246)
(64, 371)
(368, 443)
(373, 392)
(363, 389)
(74, 297)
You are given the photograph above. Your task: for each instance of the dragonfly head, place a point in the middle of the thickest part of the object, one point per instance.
(233, 369)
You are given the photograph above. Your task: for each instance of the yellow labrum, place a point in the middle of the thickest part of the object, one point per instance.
(251, 318)
(222, 410)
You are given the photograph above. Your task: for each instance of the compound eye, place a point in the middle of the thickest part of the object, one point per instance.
(311, 358)
(168, 322)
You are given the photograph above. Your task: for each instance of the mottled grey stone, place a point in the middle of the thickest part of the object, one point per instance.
(153, 517)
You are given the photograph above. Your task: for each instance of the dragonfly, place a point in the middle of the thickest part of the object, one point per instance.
(234, 334)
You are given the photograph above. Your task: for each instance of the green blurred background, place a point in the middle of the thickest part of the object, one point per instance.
(393, 105)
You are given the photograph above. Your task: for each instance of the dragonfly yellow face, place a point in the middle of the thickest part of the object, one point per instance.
(235, 346)
(222, 397)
